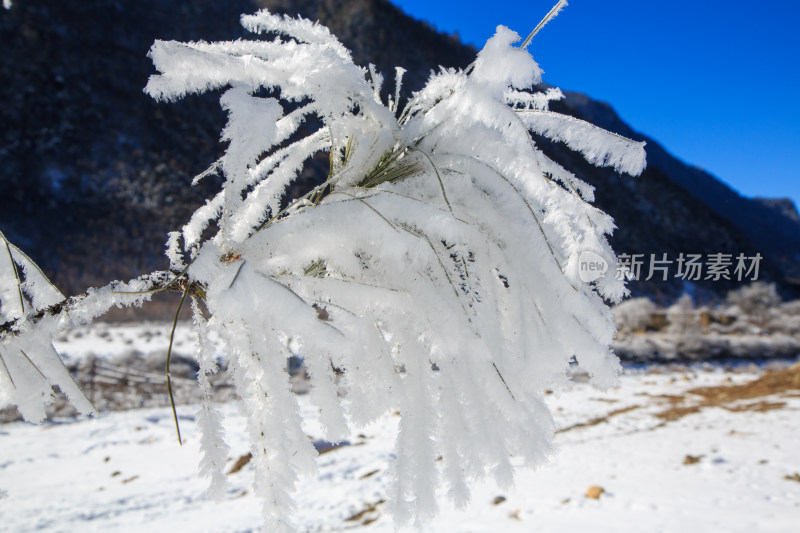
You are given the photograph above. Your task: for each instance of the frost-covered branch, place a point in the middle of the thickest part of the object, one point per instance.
(83, 308)
(600, 147)
(436, 267)
(29, 365)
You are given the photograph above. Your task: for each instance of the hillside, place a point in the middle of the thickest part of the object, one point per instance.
(93, 173)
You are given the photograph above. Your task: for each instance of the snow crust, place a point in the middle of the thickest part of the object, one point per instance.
(124, 471)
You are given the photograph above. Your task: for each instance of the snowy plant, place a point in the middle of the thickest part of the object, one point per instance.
(682, 317)
(785, 318)
(757, 301)
(634, 314)
(435, 268)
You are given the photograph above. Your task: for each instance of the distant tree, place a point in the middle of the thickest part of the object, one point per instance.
(756, 301)
(634, 314)
(436, 266)
(682, 317)
(785, 319)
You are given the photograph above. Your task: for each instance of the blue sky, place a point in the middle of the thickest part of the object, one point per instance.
(715, 82)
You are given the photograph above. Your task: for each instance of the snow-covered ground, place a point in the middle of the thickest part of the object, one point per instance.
(112, 341)
(666, 460)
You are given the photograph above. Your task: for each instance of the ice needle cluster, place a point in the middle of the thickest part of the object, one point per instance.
(434, 272)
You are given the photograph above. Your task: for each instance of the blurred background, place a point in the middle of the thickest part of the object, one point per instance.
(93, 173)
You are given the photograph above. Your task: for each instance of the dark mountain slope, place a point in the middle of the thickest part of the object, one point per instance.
(93, 173)
(773, 225)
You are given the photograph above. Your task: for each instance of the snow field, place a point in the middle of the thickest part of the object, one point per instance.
(717, 469)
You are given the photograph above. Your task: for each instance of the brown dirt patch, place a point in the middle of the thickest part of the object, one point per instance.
(772, 382)
(371, 507)
(676, 413)
(673, 399)
(599, 419)
(369, 474)
(240, 463)
(759, 407)
(594, 492)
(730, 397)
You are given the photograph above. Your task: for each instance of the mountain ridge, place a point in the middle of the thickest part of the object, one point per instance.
(766, 221)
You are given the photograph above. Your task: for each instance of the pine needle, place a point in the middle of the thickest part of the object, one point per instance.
(169, 355)
(8, 373)
(388, 170)
(16, 273)
(316, 269)
(438, 177)
(553, 13)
